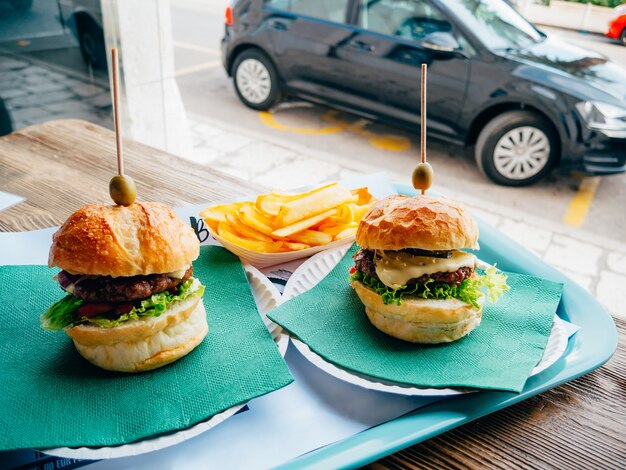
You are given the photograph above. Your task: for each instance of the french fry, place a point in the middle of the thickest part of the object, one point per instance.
(364, 196)
(294, 246)
(218, 213)
(334, 230)
(224, 231)
(345, 214)
(270, 204)
(358, 211)
(311, 237)
(303, 224)
(348, 232)
(314, 203)
(249, 215)
(245, 230)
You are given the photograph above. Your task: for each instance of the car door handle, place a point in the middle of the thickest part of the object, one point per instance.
(278, 25)
(361, 46)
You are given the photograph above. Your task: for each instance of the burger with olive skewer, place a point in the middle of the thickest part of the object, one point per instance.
(412, 275)
(132, 302)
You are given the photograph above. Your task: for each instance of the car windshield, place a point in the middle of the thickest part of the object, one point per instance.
(496, 23)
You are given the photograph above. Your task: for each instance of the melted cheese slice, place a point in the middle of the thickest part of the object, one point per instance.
(396, 268)
(178, 274)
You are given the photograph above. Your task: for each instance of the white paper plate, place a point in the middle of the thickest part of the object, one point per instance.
(312, 271)
(263, 260)
(266, 297)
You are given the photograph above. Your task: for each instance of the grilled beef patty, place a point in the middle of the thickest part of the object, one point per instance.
(107, 289)
(364, 261)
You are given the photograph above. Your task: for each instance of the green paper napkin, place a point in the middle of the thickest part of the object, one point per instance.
(50, 396)
(499, 354)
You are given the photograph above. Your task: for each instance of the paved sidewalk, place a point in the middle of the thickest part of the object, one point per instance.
(597, 264)
(34, 93)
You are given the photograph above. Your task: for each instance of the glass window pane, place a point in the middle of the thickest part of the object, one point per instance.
(497, 24)
(408, 19)
(278, 4)
(330, 10)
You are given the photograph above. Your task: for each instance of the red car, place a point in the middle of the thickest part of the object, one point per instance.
(617, 24)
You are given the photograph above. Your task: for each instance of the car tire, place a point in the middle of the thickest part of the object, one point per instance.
(256, 80)
(91, 41)
(622, 37)
(516, 148)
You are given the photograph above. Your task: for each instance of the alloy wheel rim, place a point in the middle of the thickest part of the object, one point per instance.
(253, 81)
(522, 153)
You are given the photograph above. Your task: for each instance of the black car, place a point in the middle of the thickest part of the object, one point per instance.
(528, 102)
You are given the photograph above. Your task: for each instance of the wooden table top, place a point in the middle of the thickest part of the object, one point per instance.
(61, 165)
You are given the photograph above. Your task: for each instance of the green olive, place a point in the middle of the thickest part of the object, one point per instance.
(122, 190)
(423, 176)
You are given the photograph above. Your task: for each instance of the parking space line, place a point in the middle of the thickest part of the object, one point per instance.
(390, 142)
(197, 68)
(195, 47)
(576, 211)
(268, 119)
(394, 143)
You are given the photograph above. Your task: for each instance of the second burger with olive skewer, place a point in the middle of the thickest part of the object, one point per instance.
(412, 275)
(132, 302)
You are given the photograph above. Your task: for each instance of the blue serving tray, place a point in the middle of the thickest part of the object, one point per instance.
(591, 347)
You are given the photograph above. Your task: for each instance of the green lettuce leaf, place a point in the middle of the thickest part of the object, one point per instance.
(61, 314)
(469, 291)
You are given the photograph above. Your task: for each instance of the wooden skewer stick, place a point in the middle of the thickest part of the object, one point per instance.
(116, 111)
(423, 118)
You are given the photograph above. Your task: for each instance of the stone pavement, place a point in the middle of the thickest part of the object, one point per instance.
(597, 264)
(33, 93)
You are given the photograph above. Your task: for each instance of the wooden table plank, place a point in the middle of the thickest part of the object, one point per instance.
(61, 165)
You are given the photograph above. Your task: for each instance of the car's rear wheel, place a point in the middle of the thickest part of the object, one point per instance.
(516, 148)
(256, 80)
(622, 37)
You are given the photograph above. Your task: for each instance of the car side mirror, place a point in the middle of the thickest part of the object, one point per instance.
(441, 42)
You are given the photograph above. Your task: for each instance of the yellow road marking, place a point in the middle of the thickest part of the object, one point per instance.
(197, 68)
(394, 143)
(268, 119)
(578, 207)
(195, 47)
(390, 142)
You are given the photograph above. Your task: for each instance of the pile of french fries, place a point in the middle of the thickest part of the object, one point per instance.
(278, 222)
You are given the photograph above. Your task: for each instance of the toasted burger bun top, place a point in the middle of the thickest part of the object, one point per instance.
(140, 239)
(424, 222)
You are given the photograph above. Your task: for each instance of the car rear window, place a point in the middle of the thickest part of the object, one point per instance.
(329, 10)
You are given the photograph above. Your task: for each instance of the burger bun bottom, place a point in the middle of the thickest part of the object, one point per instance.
(144, 344)
(420, 320)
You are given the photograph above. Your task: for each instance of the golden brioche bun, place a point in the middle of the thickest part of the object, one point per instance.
(144, 344)
(424, 222)
(140, 239)
(420, 320)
